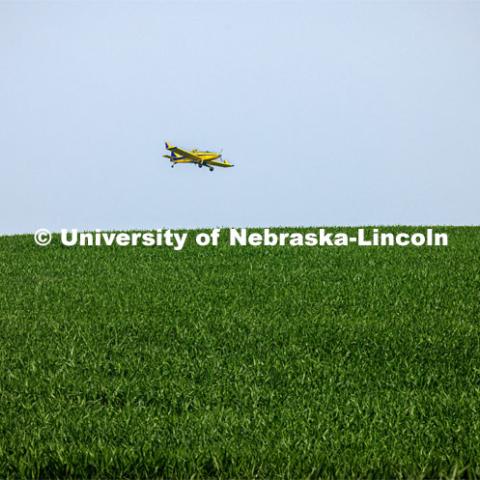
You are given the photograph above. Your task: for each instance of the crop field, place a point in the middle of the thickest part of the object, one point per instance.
(240, 362)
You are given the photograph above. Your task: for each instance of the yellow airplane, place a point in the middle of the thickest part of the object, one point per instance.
(197, 157)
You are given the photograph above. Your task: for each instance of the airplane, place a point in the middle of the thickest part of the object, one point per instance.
(197, 157)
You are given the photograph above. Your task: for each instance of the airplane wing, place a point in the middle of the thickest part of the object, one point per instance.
(185, 153)
(219, 164)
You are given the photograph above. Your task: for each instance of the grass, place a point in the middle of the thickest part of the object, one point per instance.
(266, 362)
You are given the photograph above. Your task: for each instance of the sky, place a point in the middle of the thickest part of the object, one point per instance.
(334, 113)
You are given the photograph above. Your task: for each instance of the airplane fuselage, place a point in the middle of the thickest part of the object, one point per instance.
(207, 155)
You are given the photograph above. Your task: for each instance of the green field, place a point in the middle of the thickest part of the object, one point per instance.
(240, 362)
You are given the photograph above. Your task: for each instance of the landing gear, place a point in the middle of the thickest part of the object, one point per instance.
(200, 165)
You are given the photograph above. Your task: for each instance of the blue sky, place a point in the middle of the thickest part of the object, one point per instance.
(334, 113)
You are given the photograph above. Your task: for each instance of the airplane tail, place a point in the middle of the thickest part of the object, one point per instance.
(173, 155)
